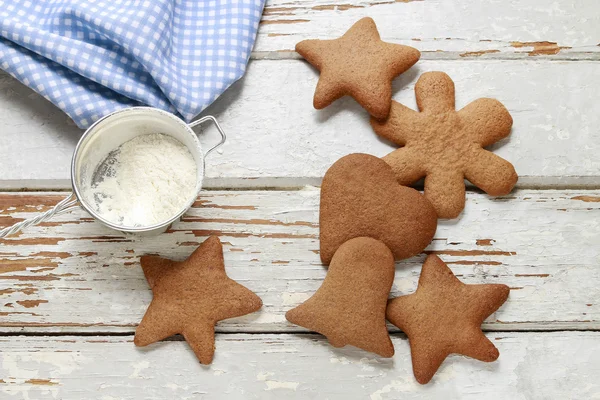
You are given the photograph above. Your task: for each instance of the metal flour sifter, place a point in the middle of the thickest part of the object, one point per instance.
(106, 135)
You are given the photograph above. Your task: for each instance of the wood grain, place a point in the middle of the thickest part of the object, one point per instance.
(74, 275)
(276, 138)
(552, 365)
(71, 276)
(460, 28)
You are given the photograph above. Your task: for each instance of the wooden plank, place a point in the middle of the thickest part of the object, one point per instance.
(74, 275)
(36, 138)
(460, 28)
(554, 365)
(276, 138)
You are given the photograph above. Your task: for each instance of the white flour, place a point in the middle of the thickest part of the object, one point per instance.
(147, 180)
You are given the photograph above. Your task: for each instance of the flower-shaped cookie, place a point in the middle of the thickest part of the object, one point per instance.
(445, 146)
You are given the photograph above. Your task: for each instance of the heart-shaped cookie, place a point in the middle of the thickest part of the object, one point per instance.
(361, 197)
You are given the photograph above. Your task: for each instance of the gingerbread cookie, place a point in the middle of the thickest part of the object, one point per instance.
(445, 146)
(444, 316)
(360, 197)
(358, 64)
(349, 307)
(190, 297)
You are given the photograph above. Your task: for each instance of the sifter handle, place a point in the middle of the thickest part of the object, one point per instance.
(214, 121)
(65, 205)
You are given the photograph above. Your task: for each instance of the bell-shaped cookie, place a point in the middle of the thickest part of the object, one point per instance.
(349, 307)
(361, 197)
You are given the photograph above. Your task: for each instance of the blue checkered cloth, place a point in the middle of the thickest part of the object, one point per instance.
(92, 57)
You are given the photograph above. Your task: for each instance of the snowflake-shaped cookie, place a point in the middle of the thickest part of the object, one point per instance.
(445, 146)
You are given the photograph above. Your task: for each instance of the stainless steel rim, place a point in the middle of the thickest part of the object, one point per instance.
(161, 225)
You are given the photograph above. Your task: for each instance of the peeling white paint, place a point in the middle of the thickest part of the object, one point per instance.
(39, 148)
(272, 385)
(555, 140)
(528, 365)
(137, 368)
(405, 285)
(262, 376)
(532, 238)
(309, 188)
(42, 365)
(265, 318)
(293, 299)
(470, 29)
(395, 385)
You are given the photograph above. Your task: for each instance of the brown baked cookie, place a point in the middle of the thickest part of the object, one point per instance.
(360, 197)
(349, 307)
(190, 297)
(358, 64)
(444, 316)
(445, 146)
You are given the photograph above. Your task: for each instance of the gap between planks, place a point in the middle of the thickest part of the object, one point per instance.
(533, 327)
(298, 183)
(453, 56)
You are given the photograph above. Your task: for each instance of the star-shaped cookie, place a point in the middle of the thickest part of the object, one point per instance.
(445, 146)
(190, 297)
(444, 316)
(358, 64)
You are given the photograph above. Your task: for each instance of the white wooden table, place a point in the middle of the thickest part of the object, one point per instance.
(72, 292)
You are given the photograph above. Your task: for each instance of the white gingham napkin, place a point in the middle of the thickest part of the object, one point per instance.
(92, 57)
